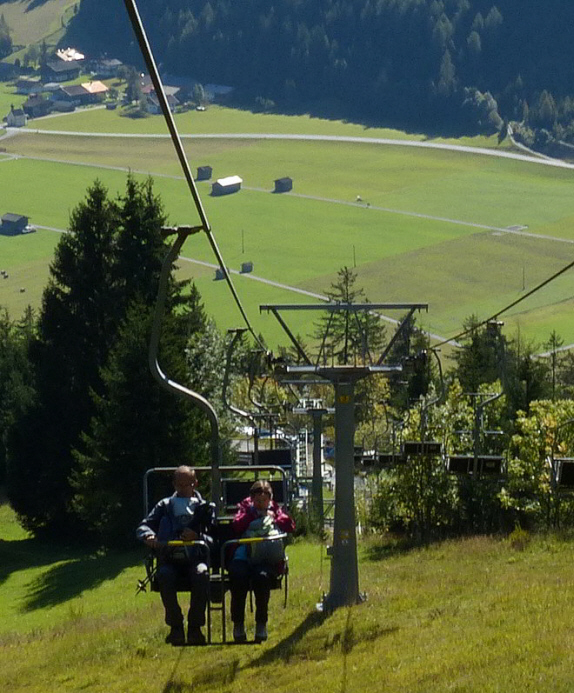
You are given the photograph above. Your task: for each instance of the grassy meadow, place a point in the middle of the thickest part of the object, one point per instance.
(418, 232)
(31, 22)
(473, 615)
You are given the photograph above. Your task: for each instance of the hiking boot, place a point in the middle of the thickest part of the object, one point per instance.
(260, 632)
(195, 636)
(239, 634)
(176, 636)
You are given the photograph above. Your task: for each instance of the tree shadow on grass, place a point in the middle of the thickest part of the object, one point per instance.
(336, 110)
(68, 571)
(67, 580)
(22, 554)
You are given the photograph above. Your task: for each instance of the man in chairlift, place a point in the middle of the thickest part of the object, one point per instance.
(183, 516)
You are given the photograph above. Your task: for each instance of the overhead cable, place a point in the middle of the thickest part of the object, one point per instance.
(147, 54)
(508, 307)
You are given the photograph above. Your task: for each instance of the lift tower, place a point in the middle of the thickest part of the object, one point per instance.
(344, 586)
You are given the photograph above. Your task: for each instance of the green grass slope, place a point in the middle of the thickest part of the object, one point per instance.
(472, 615)
(432, 230)
(31, 21)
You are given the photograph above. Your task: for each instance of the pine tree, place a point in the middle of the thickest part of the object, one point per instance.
(349, 336)
(5, 38)
(110, 258)
(15, 376)
(75, 331)
(137, 425)
(482, 358)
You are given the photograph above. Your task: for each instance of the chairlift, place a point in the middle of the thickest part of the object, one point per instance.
(381, 460)
(418, 448)
(234, 489)
(565, 472)
(486, 465)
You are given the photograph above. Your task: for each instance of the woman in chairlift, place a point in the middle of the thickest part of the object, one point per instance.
(256, 565)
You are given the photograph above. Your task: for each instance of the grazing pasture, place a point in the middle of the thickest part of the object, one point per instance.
(430, 226)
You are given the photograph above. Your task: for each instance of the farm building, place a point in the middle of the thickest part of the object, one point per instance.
(153, 106)
(283, 185)
(13, 224)
(204, 172)
(225, 186)
(16, 118)
(73, 94)
(37, 106)
(28, 85)
(69, 55)
(60, 71)
(106, 67)
(96, 89)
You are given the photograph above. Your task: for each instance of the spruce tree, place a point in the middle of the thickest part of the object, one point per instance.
(75, 331)
(15, 375)
(349, 336)
(137, 425)
(110, 259)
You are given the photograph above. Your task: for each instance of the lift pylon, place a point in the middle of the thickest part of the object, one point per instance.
(344, 586)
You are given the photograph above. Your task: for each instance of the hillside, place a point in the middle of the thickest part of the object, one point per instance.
(407, 61)
(475, 615)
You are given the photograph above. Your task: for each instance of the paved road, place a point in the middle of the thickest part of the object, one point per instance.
(546, 161)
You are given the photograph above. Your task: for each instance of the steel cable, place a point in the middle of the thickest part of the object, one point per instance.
(147, 54)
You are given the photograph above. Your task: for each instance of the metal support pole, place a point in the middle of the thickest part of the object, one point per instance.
(317, 483)
(175, 387)
(344, 590)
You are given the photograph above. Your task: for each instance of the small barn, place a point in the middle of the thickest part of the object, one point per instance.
(246, 267)
(13, 224)
(16, 118)
(226, 186)
(283, 185)
(204, 172)
(37, 106)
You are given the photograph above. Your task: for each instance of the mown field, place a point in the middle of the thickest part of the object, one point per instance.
(31, 22)
(459, 268)
(475, 615)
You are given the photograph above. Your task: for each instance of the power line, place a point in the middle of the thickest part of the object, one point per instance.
(508, 307)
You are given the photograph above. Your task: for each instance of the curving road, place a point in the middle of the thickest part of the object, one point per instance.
(544, 161)
(529, 157)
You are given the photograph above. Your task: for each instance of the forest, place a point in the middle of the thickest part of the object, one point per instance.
(458, 65)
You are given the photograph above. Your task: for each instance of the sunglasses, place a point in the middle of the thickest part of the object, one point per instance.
(261, 491)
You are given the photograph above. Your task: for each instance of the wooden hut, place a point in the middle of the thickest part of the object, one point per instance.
(226, 186)
(204, 172)
(13, 224)
(283, 185)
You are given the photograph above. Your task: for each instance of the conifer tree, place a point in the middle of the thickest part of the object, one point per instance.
(136, 425)
(349, 336)
(75, 332)
(110, 258)
(15, 375)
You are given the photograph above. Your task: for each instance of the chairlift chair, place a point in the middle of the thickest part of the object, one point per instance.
(565, 472)
(487, 465)
(234, 490)
(417, 448)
